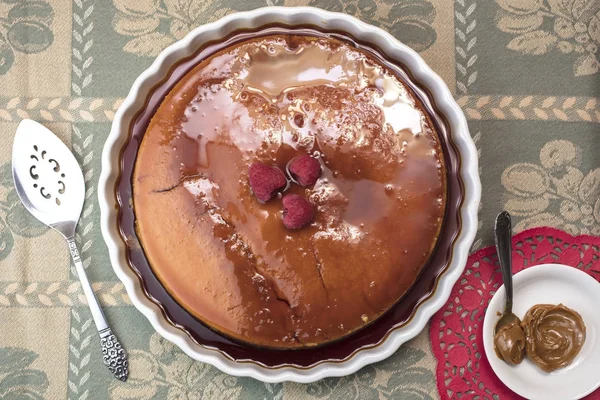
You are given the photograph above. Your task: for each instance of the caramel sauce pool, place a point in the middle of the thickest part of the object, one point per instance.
(380, 200)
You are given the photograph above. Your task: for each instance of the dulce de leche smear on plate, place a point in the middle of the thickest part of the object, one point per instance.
(554, 335)
(379, 201)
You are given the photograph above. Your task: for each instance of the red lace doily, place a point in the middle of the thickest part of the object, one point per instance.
(463, 371)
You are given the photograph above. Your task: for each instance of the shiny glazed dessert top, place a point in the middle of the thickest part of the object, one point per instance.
(379, 200)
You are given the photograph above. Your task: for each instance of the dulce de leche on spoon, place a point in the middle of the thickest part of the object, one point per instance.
(509, 339)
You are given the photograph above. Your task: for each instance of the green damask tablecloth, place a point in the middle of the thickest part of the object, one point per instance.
(526, 73)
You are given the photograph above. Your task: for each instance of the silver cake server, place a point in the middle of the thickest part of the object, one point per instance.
(50, 185)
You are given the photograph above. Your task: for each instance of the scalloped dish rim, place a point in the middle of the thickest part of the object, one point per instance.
(326, 20)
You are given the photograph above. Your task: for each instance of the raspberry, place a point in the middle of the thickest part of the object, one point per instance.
(265, 181)
(297, 211)
(304, 170)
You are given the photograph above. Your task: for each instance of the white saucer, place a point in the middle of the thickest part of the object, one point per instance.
(550, 284)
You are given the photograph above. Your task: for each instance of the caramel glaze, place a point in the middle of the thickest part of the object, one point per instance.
(380, 200)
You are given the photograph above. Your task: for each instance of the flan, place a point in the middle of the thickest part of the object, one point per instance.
(379, 202)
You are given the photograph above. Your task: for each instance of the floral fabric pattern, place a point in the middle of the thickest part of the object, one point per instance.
(164, 369)
(410, 21)
(17, 379)
(565, 26)
(525, 73)
(556, 184)
(26, 29)
(14, 219)
(155, 24)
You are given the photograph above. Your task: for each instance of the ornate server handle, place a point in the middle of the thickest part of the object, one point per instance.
(113, 354)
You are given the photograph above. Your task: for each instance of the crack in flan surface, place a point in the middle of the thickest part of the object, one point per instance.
(182, 181)
(235, 242)
(318, 266)
(268, 280)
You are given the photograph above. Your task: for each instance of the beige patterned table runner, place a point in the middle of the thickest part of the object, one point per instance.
(526, 73)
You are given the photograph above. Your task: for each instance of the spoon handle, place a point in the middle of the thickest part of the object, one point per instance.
(113, 354)
(503, 238)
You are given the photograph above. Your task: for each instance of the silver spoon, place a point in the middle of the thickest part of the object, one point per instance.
(503, 238)
(50, 185)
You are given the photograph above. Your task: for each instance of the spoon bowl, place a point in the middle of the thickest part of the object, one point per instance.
(47, 177)
(507, 318)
